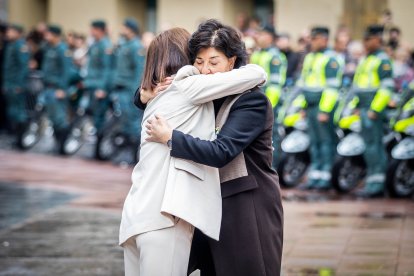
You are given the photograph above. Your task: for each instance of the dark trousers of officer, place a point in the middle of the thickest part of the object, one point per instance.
(322, 149)
(57, 110)
(374, 155)
(131, 117)
(97, 106)
(16, 107)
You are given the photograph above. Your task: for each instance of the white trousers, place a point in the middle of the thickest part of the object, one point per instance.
(163, 252)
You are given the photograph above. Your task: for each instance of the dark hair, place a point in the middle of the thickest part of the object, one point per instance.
(167, 53)
(225, 39)
(35, 36)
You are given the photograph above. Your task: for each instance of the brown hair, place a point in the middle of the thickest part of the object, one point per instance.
(167, 53)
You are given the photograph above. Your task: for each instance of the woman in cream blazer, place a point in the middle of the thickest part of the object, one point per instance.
(169, 196)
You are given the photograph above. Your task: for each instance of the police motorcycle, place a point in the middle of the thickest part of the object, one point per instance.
(37, 124)
(81, 129)
(349, 168)
(111, 142)
(400, 170)
(295, 156)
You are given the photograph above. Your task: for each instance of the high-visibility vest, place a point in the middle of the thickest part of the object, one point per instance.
(371, 89)
(366, 74)
(313, 72)
(264, 59)
(314, 81)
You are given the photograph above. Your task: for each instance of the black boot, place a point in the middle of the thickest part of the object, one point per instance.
(19, 132)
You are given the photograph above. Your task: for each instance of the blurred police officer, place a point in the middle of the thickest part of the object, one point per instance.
(319, 81)
(57, 69)
(16, 69)
(373, 84)
(99, 68)
(129, 66)
(275, 64)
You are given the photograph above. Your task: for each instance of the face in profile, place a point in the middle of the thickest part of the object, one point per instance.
(210, 60)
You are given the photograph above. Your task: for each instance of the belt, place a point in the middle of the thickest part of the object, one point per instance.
(312, 98)
(51, 86)
(120, 87)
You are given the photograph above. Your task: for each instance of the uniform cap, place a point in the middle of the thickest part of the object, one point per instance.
(99, 24)
(131, 24)
(320, 30)
(54, 29)
(374, 30)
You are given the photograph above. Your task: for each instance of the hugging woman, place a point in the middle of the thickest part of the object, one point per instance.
(170, 196)
(251, 236)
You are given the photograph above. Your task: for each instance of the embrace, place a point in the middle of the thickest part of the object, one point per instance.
(204, 194)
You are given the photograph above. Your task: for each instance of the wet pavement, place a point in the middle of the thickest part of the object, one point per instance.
(60, 216)
(19, 203)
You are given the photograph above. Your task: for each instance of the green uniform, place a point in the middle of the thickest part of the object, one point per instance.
(99, 69)
(129, 67)
(57, 71)
(320, 80)
(16, 68)
(275, 64)
(373, 84)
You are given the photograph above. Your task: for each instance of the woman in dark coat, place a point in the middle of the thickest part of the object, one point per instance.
(251, 237)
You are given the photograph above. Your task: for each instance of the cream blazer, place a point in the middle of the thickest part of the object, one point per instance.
(164, 186)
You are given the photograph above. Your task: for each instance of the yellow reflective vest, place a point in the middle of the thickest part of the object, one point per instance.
(321, 73)
(373, 77)
(275, 64)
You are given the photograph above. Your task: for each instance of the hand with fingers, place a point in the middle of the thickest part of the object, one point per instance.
(158, 130)
(100, 94)
(323, 117)
(60, 94)
(147, 95)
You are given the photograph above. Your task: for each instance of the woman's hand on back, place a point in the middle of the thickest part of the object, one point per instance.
(158, 130)
(147, 95)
